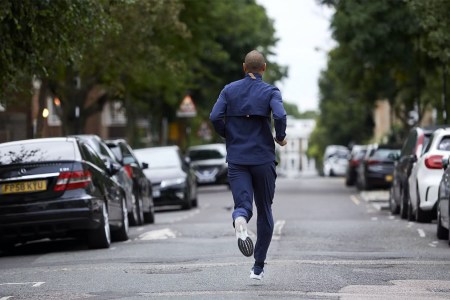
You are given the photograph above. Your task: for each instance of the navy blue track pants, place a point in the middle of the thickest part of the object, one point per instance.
(248, 182)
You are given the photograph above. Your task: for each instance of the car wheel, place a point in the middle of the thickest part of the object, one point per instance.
(410, 215)
(149, 217)
(441, 232)
(187, 201)
(404, 200)
(393, 206)
(101, 236)
(122, 233)
(133, 215)
(331, 174)
(420, 215)
(195, 202)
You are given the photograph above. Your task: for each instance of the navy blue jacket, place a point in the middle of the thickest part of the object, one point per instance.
(242, 115)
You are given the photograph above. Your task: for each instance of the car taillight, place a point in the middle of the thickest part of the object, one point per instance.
(73, 180)
(373, 162)
(434, 162)
(354, 162)
(129, 170)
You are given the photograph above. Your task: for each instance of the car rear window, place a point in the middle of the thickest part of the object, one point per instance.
(36, 152)
(205, 154)
(384, 154)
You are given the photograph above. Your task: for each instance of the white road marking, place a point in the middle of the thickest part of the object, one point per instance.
(161, 234)
(374, 218)
(33, 284)
(355, 199)
(391, 217)
(421, 233)
(410, 224)
(278, 227)
(6, 298)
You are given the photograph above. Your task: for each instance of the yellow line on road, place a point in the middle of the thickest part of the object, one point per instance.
(355, 199)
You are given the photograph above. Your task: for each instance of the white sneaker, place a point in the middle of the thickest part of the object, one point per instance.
(256, 276)
(245, 243)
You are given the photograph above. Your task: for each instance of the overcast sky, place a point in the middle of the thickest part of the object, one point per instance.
(303, 29)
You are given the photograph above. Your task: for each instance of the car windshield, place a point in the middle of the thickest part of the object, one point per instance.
(444, 144)
(159, 158)
(205, 154)
(385, 154)
(36, 152)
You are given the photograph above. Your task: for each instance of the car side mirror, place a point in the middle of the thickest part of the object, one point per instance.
(144, 165)
(187, 160)
(445, 162)
(114, 167)
(413, 158)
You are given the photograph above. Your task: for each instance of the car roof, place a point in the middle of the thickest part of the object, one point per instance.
(40, 140)
(207, 146)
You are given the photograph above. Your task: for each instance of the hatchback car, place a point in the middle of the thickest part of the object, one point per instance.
(209, 163)
(173, 180)
(335, 160)
(412, 148)
(57, 188)
(377, 167)
(142, 188)
(426, 176)
(135, 205)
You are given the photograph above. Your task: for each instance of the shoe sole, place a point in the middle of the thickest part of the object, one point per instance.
(246, 246)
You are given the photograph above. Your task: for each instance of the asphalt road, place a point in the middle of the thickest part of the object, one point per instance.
(330, 242)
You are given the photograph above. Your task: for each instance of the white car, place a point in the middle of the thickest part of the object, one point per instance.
(425, 177)
(335, 160)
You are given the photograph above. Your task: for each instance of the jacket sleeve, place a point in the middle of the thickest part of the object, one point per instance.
(218, 112)
(279, 114)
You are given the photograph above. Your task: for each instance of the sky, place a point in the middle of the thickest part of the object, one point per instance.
(302, 27)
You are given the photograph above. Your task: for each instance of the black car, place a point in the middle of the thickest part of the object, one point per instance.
(209, 163)
(134, 205)
(142, 188)
(443, 209)
(377, 167)
(413, 145)
(57, 188)
(173, 180)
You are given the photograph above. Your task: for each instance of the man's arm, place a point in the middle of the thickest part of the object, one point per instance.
(217, 115)
(279, 117)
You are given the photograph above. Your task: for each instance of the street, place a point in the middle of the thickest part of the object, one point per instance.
(330, 242)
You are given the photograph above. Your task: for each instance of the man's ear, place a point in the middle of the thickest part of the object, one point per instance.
(244, 68)
(264, 68)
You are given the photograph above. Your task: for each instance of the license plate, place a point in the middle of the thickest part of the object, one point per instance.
(24, 187)
(389, 178)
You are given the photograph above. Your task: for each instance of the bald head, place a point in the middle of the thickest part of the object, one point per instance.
(254, 62)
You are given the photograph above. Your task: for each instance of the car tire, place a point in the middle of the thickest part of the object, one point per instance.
(410, 215)
(393, 206)
(149, 217)
(420, 215)
(404, 201)
(101, 236)
(441, 231)
(122, 233)
(187, 201)
(195, 202)
(133, 215)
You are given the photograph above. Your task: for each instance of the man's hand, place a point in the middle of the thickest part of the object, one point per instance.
(281, 143)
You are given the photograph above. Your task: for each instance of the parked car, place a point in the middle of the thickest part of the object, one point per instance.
(425, 177)
(442, 205)
(134, 205)
(142, 188)
(377, 167)
(173, 179)
(356, 155)
(57, 188)
(335, 160)
(209, 163)
(413, 146)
